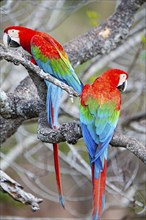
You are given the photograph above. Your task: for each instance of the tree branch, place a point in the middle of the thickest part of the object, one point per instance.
(23, 102)
(16, 107)
(107, 36)
(99, 40)
(131, 144)
(71, 132)
(11, 56)
(15, 190)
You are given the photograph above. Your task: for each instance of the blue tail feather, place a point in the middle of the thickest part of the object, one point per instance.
(61, 200)
(54, 94)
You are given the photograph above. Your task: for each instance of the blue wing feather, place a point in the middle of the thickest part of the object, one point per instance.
(90, 143)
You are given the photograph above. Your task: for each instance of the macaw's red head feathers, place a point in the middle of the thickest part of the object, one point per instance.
(115, 78)
(15, 36)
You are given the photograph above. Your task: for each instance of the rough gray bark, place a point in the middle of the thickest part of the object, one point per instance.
(18, 106)
(15, 190)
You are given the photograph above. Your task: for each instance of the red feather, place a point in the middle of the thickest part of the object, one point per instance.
(57, 171)
(26, 35)
(57, 164)
(98, 190)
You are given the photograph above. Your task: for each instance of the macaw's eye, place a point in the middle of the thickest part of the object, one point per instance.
(12, 31)
(123, 76)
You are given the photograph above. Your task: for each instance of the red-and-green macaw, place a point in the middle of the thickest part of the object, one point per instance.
(50, 56)
(99, 113)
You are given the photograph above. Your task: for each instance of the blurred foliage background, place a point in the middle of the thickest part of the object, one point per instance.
(30, 161)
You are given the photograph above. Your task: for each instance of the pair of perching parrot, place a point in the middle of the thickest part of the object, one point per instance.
(99, 103)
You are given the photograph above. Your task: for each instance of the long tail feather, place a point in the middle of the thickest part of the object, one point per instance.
(98, 190)
(57, 171)
(53, 102)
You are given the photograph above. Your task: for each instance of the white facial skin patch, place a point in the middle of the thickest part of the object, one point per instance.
(123, 78)
(14, 35)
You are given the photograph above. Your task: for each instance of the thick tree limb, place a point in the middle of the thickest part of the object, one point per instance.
(15, 190)
(69, 132)
(24, 101)
(16, 107)
(105, 37)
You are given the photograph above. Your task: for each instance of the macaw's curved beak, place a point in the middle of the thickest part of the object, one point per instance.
(122, 87)
(8, 42)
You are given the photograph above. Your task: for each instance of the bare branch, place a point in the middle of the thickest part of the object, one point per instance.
(11, 56)
(131, 144)
(15, 190)
(107, 36)
(71, 132)
(101, 61)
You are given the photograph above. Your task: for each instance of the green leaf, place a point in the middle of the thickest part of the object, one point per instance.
(143, 39)
(93, 17)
